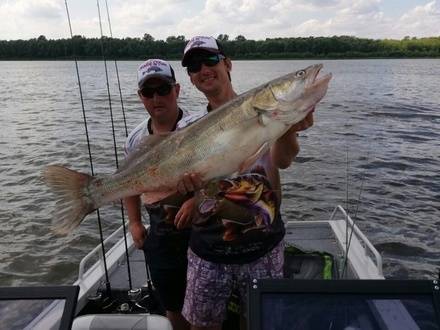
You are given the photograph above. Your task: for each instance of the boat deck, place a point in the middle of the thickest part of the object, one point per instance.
(307, 236)
(119, 278)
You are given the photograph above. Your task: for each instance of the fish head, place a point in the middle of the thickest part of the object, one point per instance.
(301, 83)
(291, 97)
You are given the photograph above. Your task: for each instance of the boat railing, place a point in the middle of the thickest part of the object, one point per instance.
(369, 248)
(97, 250)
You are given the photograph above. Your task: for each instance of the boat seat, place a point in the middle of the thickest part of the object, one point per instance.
(121, 322)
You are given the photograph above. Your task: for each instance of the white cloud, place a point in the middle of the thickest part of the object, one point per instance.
(255, 19)
(364, 18)
(159, 18)
(29, 15)
(423, 19)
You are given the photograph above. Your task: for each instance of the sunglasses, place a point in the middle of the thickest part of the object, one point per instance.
(161, 90)
(195, 65)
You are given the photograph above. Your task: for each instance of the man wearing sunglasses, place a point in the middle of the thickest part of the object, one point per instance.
(224, 255)
(165, 245)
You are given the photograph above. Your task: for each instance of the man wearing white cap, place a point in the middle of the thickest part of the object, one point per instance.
(223, 253)
(165, 245)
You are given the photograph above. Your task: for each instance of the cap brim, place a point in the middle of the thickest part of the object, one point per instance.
(155, 75)
(195, 49)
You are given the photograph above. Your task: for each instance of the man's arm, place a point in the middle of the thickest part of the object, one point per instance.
(133, 206)
(286, 148)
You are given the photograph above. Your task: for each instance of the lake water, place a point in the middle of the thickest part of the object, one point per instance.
(378, 128)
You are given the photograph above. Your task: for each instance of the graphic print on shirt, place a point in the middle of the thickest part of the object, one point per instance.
(240, 204)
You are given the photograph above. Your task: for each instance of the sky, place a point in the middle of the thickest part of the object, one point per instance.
(254, 19)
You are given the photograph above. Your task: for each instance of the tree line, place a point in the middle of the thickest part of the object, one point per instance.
(172, 47)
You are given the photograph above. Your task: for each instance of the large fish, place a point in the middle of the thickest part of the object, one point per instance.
(223, 142)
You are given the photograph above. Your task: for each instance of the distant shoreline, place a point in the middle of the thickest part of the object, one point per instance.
(233, 58)
(331, 48)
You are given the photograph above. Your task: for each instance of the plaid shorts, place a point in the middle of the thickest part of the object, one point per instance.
(209, 285)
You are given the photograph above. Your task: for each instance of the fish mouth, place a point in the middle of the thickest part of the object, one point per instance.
(315, 86)
(314, 80)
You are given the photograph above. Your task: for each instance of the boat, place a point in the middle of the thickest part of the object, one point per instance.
(354, 257)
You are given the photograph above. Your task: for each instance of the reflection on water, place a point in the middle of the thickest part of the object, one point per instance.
(376, 132)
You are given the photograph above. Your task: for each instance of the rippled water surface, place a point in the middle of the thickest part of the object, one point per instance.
(375, 147)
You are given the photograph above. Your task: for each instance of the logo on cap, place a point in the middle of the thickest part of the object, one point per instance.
(197, 43)
(154, 68)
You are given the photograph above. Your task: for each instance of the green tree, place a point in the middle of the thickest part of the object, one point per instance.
(223, 37)
(240, 38)
(148, 37)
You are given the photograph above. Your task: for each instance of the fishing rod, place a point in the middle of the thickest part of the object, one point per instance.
(117, 72)
(114, 142)
(348, 242)
(132, 292)
(107, 281)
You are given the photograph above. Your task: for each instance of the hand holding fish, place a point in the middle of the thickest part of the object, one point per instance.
(286, 147)
(189, 182)
(185, 213)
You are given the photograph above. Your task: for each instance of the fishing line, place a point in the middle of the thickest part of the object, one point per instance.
(114, 144)
(346, 204)
(355, 212)
(107, 281)
(117, 73)
(355, 216)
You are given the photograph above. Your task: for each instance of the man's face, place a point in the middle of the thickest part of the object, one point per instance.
(209, 72)
(159, 98)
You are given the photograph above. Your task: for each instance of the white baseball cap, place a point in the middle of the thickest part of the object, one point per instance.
(155, 68)
(209, 44)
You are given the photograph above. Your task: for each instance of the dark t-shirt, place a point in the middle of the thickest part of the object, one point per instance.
(238, 219)
(166, 246)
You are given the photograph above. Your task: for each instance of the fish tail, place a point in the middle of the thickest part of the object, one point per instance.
(73, 201)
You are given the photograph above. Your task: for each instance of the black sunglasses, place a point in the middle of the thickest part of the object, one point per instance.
(195, 64)
(161, 90)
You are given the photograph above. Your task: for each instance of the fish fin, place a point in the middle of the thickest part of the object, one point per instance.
(144, 145)
(253, 158)
(73, 202)
(156, 196)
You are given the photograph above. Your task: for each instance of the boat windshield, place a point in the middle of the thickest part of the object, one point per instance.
(346, 305)
(22, 307)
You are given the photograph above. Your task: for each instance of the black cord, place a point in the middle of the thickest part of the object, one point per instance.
(107, 281)
(114, 144)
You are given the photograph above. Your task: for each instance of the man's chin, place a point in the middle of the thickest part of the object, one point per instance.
(208, 86)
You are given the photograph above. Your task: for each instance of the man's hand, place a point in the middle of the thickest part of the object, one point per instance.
(189, 183)
(138, 233)
(286, 147)
(184, 215)
(303, 124)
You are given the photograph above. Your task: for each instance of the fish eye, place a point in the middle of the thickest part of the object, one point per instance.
(300, 74)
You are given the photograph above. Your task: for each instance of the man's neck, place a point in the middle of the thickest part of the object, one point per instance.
(218, 100)
(165, 125)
